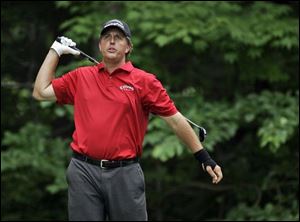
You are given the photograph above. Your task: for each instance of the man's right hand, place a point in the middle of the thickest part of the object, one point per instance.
(62, 47)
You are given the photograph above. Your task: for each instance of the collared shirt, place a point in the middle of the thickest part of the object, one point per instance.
(111, 110)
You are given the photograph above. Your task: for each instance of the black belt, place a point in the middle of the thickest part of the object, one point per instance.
(105, 163)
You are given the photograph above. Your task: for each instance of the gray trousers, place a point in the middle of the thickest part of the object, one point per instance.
(96, 194)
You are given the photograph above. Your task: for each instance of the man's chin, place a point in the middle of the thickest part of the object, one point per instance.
(111, 58)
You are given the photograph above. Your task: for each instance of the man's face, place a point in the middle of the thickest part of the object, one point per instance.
(113, 45)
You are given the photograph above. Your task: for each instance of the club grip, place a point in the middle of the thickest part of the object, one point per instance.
(58, 39)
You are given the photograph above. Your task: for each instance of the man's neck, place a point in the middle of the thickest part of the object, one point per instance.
(111, 66)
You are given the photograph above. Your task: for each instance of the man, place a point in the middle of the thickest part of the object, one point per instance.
(112, 102)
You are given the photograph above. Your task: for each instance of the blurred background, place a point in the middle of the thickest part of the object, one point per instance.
(231, 67)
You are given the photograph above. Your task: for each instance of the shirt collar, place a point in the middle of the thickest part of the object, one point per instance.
(127, 67)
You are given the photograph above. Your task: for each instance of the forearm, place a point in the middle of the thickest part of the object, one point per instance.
(184, 131)
(45, 74)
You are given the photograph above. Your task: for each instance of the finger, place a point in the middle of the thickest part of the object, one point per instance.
(218, 172)
(72, 44)
(203, 167)
(212, 174)
(74, 52)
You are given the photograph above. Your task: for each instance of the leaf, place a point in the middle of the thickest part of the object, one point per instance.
(60, 112)
(230, 57)
(187, 40)
(162, 40)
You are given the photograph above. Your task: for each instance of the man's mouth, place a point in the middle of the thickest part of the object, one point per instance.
(111, 50)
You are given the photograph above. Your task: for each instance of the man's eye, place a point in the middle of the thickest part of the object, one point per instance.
(115, 37)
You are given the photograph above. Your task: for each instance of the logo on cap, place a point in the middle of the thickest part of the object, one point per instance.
(114, 23)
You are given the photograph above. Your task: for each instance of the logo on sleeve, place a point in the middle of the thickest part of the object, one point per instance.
(126, 88)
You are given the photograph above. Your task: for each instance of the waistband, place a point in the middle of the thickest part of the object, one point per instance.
(105, 163)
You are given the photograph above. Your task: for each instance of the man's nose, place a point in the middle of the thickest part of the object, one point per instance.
(112, 39)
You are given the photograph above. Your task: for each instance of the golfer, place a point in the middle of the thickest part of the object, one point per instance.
(112, 102)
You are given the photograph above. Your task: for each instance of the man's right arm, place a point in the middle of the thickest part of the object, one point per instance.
(43, 89)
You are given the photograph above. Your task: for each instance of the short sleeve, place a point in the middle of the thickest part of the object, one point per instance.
(65, 87)
(156, 99)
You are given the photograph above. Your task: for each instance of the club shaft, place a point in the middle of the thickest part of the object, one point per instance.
(191, 122)
(86, 55)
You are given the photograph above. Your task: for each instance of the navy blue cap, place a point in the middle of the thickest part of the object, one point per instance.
(119, 24)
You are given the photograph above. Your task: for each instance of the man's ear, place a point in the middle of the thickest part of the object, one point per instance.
(129, 48)
(99, 45)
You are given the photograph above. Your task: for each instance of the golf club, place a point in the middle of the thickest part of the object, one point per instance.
(202, 131)
(58, 39)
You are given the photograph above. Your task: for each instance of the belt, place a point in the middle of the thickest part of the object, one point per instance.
(105, 163)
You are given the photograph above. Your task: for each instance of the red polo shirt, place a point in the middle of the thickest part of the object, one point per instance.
(111, 111)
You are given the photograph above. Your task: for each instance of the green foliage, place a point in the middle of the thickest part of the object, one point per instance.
(37, 162)
(87, 18)
(275, 115)
(270, 212)
(239, 34)
(215, 21)
(33, 148)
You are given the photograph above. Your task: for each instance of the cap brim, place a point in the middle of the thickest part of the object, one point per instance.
(110, 26)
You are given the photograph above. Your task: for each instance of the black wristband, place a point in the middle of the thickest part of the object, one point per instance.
(204, 158)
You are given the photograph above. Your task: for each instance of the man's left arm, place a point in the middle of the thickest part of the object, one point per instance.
(187, 135)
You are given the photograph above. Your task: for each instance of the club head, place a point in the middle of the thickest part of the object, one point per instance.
(202, 134)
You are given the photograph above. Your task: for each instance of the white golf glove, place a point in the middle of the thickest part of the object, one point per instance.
(63, 47)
